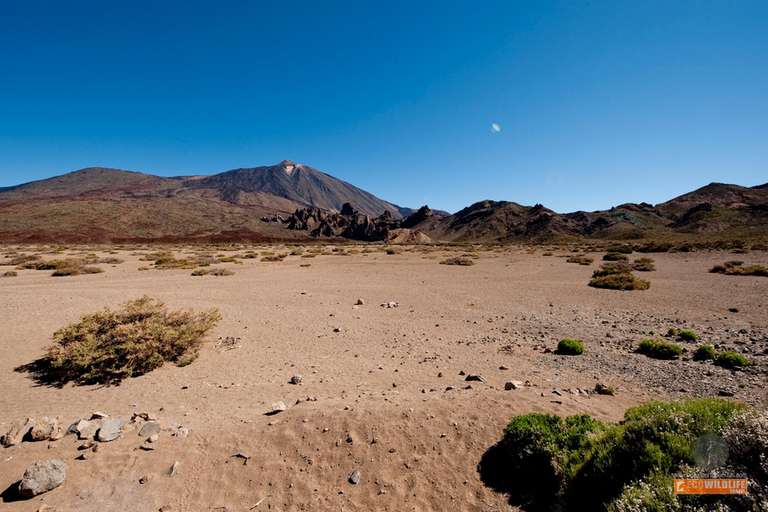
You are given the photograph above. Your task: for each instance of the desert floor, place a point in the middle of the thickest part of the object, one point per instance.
(376, 376)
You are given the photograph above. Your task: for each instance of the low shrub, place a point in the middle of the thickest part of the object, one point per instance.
(687, 335)
(21, 259)
(570, 347)
(704, 353)
(735, 268)
(75, 271)
(659, 349)
(620, 281)
(644, 265)
(108, 346)
(615, 256)
(275, 257)
(731, 360)
(10, 273)
(464, 262)
(580, 259)
(394, 250)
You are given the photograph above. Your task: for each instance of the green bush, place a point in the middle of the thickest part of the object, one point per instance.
(731, 360)
(704, 353)
(570, 347)
(687, 335)
(583, 464)
(659, 349)
(108, 346)
(615, 256)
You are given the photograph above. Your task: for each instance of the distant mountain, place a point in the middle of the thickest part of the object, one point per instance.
(716, 210)
(100, 204)
(289, 201)
(299, 185)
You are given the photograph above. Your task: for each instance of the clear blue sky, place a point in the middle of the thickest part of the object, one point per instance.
(598, 102)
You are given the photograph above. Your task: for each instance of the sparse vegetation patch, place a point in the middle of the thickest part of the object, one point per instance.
(457, 260)
(659, 349)
(732, 360)
(108, 346)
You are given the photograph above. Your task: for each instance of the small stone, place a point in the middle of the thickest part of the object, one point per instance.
(16, 433)
(42, 477)
(152, 439)
(87, 429)
(354, 478)
(277, 407)
(99, 416)
(110, 430)
(503, 367)
(449, 388)
(733, 310)
(149, 429)
(360, 302)
(461, 372)
(84, 456)
(143, 480)
(296, 379)
(475, 377)
(725, 392)
(512, 384)
(602, 389)
(147, 447)
(173, 469)
(43, 429)
(181, 433)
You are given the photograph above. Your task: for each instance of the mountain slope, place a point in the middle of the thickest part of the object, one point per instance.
(299, 184)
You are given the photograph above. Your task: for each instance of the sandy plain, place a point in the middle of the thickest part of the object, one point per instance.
(377, 402)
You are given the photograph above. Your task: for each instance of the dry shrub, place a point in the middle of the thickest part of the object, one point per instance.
(464, 262)
(109, 346)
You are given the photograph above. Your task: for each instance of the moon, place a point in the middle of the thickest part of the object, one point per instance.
(495, 128)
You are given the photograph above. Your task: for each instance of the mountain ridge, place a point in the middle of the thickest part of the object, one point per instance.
(289, 201)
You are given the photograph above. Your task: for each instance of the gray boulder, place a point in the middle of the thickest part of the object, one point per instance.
(110, 430)
(42, 477)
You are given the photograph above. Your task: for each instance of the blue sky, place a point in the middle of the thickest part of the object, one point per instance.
(598, 102)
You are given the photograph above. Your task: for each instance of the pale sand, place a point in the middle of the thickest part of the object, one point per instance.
(450, 319)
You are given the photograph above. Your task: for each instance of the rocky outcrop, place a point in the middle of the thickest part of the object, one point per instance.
(350, 223)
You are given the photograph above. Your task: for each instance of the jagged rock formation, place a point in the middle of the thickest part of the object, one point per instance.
(349, 223)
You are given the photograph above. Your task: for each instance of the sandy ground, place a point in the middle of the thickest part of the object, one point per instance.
(380, 405)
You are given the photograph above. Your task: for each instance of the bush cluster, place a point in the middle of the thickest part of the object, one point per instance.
(617, 276)
(615, 256)
(644, 265)
(580, 259)
(735, 268)
(457, 260)
(108, 346)
(731, 360)
(659, 349)
(579, 463)
(704, 353)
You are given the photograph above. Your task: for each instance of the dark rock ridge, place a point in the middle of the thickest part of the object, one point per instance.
(352, 224)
